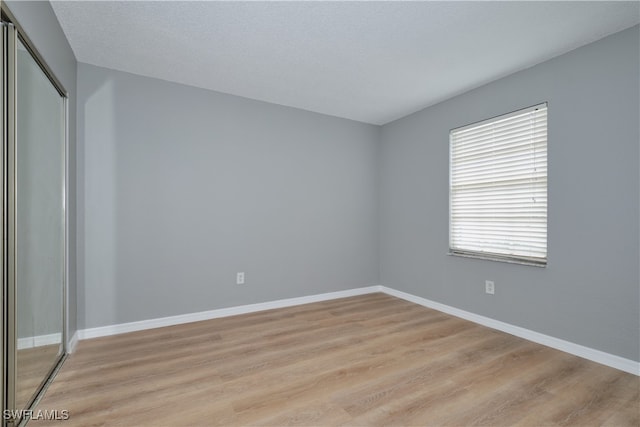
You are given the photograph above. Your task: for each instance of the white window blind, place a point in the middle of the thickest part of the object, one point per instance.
(498, 188)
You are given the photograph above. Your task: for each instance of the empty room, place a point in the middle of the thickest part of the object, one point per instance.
(320, 213)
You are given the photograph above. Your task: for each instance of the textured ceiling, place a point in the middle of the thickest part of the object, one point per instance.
(367, 61)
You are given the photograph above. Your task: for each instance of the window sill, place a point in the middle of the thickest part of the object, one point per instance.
(488, 257)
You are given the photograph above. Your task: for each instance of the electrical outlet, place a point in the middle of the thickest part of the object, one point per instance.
(489, 287)
(240, 278)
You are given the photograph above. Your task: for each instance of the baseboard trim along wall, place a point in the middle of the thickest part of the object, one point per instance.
(39, 341)
(594, 355)
(222, 312)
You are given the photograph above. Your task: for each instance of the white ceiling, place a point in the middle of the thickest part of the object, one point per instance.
(367, 61)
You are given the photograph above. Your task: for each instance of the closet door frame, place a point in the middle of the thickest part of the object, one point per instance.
(11, 33)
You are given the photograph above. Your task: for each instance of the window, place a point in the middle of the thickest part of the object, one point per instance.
(498, 188)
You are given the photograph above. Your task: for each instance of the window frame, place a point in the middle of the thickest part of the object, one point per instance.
(493, 256)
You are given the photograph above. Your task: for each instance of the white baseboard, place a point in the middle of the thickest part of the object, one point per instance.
(594, 355)
(39, 341)
(73, 343)
(214, 314)
(598, 356)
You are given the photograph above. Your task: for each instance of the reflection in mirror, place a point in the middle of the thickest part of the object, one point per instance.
(40, 226)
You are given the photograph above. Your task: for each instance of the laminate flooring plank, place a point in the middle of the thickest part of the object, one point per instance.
(369, 360)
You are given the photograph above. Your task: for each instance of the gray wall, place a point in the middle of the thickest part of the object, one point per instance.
(589, 292)
(42, 27)
(185, 187)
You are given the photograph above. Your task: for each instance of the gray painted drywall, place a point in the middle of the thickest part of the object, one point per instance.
(42, 27)
(185, 187)
(589, 292)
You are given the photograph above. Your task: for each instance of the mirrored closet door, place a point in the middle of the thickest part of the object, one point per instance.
(34, 127)
(40, 226)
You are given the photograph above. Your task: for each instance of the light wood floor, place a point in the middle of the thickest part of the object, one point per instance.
(33, 366)
(367, 360)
